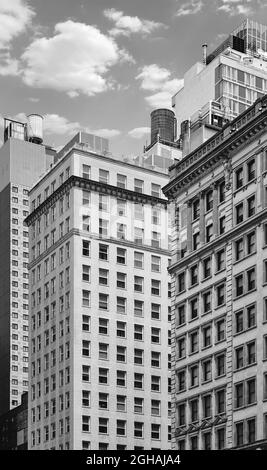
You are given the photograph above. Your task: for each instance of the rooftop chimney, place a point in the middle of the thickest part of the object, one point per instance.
(204, 48)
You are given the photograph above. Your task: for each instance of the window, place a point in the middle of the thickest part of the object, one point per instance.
(220, 260)
(138, 211)
(155, 190)
(239, 213)
(206, 334)
(121, 427)
(181, 282)
(220, 330)
(86, 348)
(138, 260)
(155, 311)
(138, 185)
(180, 348)
(103, 425)
(103, 202)
(138, 429)
(206, 301)
(86, 323)
(103, 401)
(86, 273)
(86, 197)
(121, 354)
(155, 431)
(220, 290)
(193, 376)
(196, 240)
(85, 298)
(239, 249)
(206, 268)
(121, 207)
(207, 410)
(121, 181)
(239, 287)
(221, 190)
(103, 252)
(103, 228)
(155, 359)
(251, 170)
(103, 351)
(138, 284)
(193, 305)
(139, 357)
(193, 275)
(121, 280)
(103, 301)
(138, 405)
(155, 263)
(86, 171)
(121, 329)
(239, 357)
(121, 378)
(121, 305)
(85, 398)
(222, 225)
(195, 209)
(155, 240)
(103, 326)
(155, 383)
(138, 236)
(121, 403)
(103, 176)
(193, 342)
(220, 364)
(121, 256)
(209, 200)
(138, 308)
(103, 376)
(251, 279)
(209, 232)
(251, 206)
(85, 248)
(239, 178)
(155, 287)
(139, 381)
(155, 335)
(220, 438)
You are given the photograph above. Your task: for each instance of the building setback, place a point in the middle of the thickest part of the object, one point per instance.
(219, 293)
(22, 161)
(99, 329)
(223, 85)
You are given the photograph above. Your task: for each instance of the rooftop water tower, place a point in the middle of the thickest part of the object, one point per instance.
(35, 128)
(163, 123)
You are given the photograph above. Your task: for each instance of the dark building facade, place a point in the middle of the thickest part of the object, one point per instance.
(14, 427)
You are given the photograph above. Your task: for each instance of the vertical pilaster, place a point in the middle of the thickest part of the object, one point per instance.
(189, 226)
(215, 211)
(202, 218)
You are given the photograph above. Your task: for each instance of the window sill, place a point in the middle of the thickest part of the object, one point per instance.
(244, 258)
(245, 293)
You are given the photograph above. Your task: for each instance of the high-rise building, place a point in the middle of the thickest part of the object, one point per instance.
(23, 159)
(223, 85)
(219, 288)
(100, 306)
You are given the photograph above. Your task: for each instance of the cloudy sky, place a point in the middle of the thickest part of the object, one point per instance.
(103, 65)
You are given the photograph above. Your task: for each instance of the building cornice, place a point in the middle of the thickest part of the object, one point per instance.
(97, 186)
(219, 241)
(218, 149)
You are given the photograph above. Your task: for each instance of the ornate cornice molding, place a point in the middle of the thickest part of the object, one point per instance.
(219, 149)
(92, 185)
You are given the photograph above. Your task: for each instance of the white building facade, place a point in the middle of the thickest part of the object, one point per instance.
(99, 305)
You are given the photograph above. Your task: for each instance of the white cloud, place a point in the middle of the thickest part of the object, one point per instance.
(157, 79)
(139, 132)
(106, 133)
(8, 65)
(240, 7)
(190, 8)
(54, 124)
(34, 100)
(75, 60)
(15, 16)
(125, 25)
